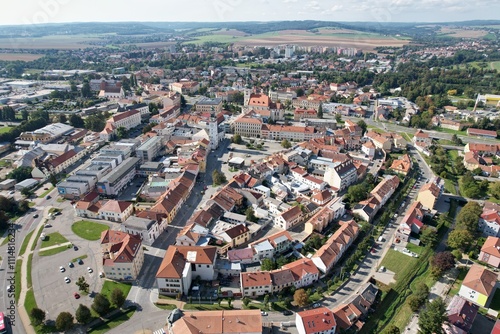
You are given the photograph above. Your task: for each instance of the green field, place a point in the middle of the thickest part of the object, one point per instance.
(5, 129)
(491, 65)
(88, 230)
(53, 239)
(53, 251)
(109, 286)
(397, 262)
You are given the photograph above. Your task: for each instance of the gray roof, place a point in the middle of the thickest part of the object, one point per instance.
(28, 183)
(121, 169)
(138, 223)
(148, 143)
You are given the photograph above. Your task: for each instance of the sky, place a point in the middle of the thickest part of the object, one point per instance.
(55, 11)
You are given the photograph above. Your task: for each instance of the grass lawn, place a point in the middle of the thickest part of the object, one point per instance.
(30, 301)
(88, 230)
(46, 192)
(414, 248)
(40, 231)
(60, 200)
(17, 292)
(449, 186)
(53, 251)
(25, 243)
(28, 278)
(458, 282)
(80, 257)
(109, 286)
(5, 241)
(454, 132)
(53, 210)
(5, 163)
(114, 323)
(166, 306)
(53, 239)
(206, 307)
(398, 263)
(5, 129)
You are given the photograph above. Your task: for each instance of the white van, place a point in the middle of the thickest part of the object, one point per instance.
(43, 237)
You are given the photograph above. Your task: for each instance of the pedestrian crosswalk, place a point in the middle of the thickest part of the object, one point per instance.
(159, 331)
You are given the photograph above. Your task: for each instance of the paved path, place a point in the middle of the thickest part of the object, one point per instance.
(23, 314)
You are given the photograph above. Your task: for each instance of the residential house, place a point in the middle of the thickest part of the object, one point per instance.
(256, 283)
(147, 229)
(235, 236)
(490, 252)
(184, 87)
(304, 272)
(422, 141)
(330, 212)
(289, 218)
(489, 222)
(192, 235)
(316, 321)
(346, 315)
(89, 206)
(214, 322)
(402, 165)
(116, 211)
(429, 194)
(181, 264)
(123, 255)
(331, 252)
(479, 285)
(341, 175)
(482, 149)
(461, 314)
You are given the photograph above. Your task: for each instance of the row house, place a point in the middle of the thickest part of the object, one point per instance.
(182, 264)
(300, 114)
(380, 142)
(255, 284)
(331, 252)
(166, 114)
(482, 149)
(289, 132)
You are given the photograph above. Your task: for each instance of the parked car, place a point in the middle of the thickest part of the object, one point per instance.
(35, 215)
(287, 312)
(79, 261)
(316, 305)
(71, 265)
(76, 295)
(263, 313)
(67, 280)
(48, 197)
(101, 274)
(61, 269)
(89, 270)
(75, 248)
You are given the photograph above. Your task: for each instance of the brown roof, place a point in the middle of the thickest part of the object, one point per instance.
(122, 246)
(62, 158)
(480, 279)
(236, 231)
(115, 206)
(432, 187)
(346, 315)
(291, 214)
(255, 278)
(122, 115)
(317, 320)
(301, 268)
(219, 322)
(282, 277)
(176, 257)
(492, 246)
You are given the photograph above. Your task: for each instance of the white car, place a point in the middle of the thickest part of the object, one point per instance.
(263, 313)
(89, 270)
(67, 280)
(61, 269)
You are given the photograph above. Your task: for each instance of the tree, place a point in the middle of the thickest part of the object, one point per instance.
(26, 192)
(236, 139)
(392, 329)
(147, 128)
(101, 305)
(183, 101)
(431, 319)
(338, 117)
(286, 144)
(460, 239)
(20, 174)
(442, 262)
(468, 217)
(250, 215)
(62, 118)
(429, 236)
(218, 177)
(83, 314)
(95, 123)
(266, 300)
(300, 297)
(246, 301)
(37, 316)
(76, 121)
(122, 133)
(24, 114)
(362, 125)
(457, 254)
(86, 91)
(267, 264)
(64, 321)
(82, 284)
(117, 297)
(300, 92)
(320, 111)
(53, 180)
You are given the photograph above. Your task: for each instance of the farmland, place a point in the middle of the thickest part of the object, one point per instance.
(19, 56)
(463, 33)
(61, 42)
(325, 36)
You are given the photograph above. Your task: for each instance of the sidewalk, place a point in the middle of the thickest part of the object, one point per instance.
(23, 314)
